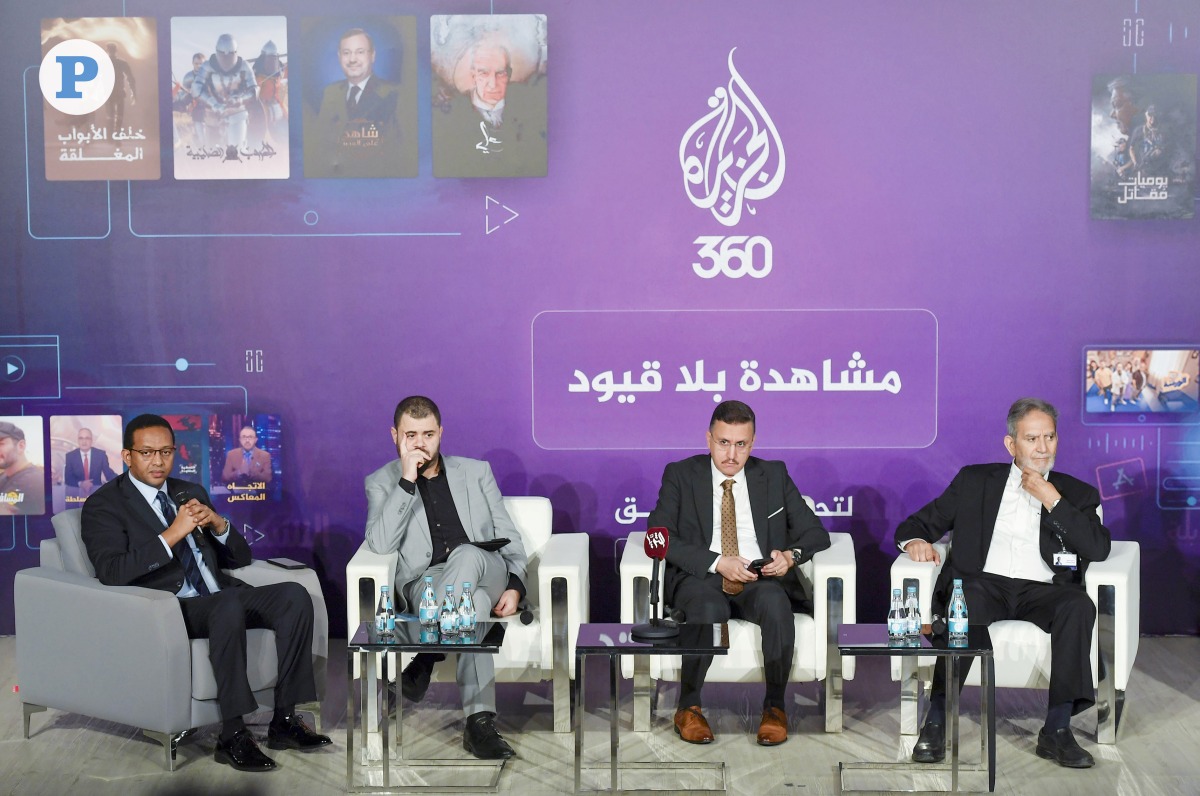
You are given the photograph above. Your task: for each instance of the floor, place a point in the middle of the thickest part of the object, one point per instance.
(1156, 754)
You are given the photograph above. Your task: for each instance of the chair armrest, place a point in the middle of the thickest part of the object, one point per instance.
(1122, 571)
(377, 569)
(118, 653)
(636, 564)
(262, 573)
(837, 561)
(566, 556)
(924, 572)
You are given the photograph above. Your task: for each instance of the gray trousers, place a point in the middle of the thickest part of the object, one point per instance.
(488, 575)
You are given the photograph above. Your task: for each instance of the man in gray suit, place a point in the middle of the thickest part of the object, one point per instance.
(429, 508)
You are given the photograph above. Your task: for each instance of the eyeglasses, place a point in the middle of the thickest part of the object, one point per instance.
(150, 453)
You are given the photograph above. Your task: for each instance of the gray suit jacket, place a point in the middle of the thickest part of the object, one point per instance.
(396, 520)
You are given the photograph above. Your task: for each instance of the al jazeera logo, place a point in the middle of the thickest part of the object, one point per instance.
(76, 77)
(732, 158)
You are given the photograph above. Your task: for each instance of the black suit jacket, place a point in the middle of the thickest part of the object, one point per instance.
(98, 464)
(782, 520)
(121, 534)
(969, 507)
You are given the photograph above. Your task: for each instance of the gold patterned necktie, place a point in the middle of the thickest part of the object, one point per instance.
(729, 542)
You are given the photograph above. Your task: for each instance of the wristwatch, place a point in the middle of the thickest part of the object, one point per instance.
(796, 556)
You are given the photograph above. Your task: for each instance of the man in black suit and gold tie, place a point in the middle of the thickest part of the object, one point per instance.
(86, 467)
(722, 512)
(145, 529)
(1022, 538)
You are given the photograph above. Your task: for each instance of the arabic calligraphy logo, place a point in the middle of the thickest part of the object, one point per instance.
(733, 155)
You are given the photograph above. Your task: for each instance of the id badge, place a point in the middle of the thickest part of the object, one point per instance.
(1065, 559)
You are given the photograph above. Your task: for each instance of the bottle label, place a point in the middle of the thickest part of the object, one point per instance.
(897, 627)
(428, 615)
(957, 626)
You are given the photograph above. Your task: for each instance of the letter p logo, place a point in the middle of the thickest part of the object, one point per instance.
(75, 69)
(76, 77)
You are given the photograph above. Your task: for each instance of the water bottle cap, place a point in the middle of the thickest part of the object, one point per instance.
(429, 578)
(895, 592)
(466, 584)
(383, 588)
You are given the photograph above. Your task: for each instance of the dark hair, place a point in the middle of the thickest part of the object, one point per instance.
(144, 421)
(416, 407)
(732, 412)
(1023, 406)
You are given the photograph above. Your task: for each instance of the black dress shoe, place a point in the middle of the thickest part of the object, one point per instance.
(1061, 747)
(482, 739)
(243, 753)
(931, 745)
(414, 680)
(295, 734)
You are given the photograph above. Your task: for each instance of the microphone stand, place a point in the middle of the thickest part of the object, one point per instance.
(656, 629)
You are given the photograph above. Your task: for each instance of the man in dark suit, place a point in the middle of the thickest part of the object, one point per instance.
(359, 131)
(1022, 540)
(722, 512)
(145, 529)
(247, 463)
(86, 467)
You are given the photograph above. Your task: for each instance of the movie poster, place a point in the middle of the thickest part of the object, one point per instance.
(489, 95)
(191, 448)
(22, 466)
(1143, 146)
(229, 98)
(85, 453)
(245, 458)
(360, 96)
(119, 140)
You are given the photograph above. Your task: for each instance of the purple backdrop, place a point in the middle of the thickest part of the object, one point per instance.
(907, 181)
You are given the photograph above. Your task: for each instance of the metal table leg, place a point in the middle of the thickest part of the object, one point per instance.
(614, 736)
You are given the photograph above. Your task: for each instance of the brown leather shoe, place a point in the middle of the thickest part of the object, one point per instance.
(772, 731)
(691, 726)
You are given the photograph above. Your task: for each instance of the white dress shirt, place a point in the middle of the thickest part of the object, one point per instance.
(1015, 551)
(747, 540)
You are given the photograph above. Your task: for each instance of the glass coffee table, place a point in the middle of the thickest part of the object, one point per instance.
(614, 641)
(410, 637)
(862, 640)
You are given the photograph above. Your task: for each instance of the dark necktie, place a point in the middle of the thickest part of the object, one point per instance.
(352, 100)
(729, 541)
(183, 550)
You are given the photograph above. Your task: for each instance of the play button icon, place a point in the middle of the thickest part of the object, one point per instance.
(12, 368)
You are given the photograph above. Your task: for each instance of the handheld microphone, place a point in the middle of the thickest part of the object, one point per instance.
(655, 546)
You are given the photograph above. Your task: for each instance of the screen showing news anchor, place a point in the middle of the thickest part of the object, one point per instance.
(245, 455)
(1159, 383)
(85, 452)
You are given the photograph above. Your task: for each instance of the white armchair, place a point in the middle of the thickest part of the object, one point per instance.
(831, 579)
(557, 591)
(122, 654)
(1022, 650)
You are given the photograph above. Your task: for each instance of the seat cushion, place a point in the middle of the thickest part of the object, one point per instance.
(261, 664)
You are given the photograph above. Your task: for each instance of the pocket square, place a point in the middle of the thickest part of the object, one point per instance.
(773, 513)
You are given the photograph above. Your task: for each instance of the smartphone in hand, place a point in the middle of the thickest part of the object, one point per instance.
(757, 564)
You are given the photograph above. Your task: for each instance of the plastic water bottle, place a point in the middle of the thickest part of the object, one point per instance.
(427, 611)
(448, 618)
(385, 614)
(912, 615)
(957, 623)
(466, 610)
(897, 621)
